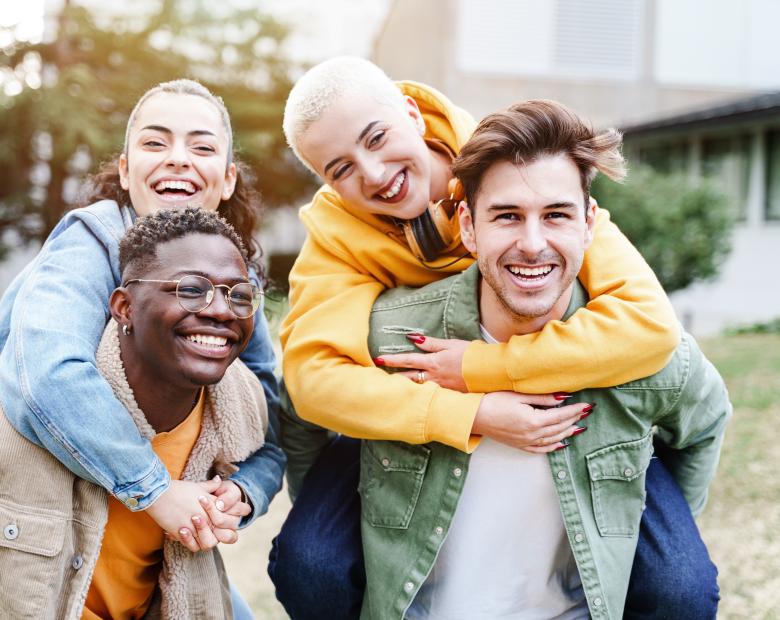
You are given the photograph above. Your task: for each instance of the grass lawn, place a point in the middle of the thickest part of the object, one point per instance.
(741, 523)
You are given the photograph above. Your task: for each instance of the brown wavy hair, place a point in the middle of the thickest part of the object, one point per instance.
(529, 130)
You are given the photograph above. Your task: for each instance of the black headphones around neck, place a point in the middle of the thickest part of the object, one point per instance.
(432, 232)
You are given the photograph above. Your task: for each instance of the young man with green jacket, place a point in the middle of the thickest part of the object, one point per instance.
(501, 532)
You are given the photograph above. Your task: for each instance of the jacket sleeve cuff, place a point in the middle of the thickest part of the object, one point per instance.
(484, 367)
(142, 494)
(450, 419)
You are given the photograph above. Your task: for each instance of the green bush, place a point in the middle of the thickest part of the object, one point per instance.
(769, 327)
(683, 231)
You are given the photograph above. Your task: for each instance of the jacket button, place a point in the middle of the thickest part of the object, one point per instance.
(408, 586)
(77, 562)
(439, 530)
(11, 531)
(561, 475)
(578, 538)
(628, 472)
(457, 472)
(385, 462)
(131, 502)
(597, 601)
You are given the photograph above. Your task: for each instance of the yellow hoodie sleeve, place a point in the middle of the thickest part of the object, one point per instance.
(627, 331)
(328, 369)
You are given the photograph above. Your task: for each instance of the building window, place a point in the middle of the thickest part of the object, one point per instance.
(725, 161)
(667, 158)
(773, 175)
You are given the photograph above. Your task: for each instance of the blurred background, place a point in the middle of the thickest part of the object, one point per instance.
(694, 86)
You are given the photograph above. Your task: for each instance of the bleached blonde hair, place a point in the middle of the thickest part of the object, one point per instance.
(328, 82)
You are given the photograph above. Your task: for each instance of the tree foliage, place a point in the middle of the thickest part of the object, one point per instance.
(77, 91)
(683, 231)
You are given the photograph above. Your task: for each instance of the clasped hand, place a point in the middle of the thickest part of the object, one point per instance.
(200, 515)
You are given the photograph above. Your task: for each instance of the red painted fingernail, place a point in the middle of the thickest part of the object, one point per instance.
(583, 416)
(562, 446)
(578, 430)
(561, 395)
(416, 338)
(379, 361)
(589, 408)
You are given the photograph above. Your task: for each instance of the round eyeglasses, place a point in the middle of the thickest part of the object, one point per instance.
(195, 293)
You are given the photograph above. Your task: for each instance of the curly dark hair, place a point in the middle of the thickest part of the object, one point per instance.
(138, 247)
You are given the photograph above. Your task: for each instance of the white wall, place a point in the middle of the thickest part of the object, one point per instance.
(747, 289)
(718, 43)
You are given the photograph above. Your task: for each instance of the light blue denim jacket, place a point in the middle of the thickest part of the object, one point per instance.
(51, 319)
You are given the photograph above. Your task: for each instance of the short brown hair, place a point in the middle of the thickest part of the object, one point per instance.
(526, 131)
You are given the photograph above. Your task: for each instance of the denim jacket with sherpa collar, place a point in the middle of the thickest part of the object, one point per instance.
(409, 493)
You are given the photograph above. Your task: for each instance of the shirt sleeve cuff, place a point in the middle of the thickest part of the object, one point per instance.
(450, 419)
(142, 494)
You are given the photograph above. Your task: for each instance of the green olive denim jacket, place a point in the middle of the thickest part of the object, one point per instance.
(409, 493)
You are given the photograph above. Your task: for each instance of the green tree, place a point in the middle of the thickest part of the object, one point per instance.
(70, 98)
(683, 231)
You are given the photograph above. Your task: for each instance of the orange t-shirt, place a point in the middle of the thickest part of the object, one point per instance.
(131, 555)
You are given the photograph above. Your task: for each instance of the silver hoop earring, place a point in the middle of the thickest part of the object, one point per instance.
(126, 330)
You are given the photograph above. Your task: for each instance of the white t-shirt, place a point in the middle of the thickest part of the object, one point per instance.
(506, 555)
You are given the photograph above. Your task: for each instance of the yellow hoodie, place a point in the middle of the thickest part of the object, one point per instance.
(626, 332)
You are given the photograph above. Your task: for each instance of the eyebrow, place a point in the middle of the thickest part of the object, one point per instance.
(362, 135)
(194, 132)
(203, 274)
(511, 207)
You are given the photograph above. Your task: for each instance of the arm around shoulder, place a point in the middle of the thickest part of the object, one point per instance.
(49, 373)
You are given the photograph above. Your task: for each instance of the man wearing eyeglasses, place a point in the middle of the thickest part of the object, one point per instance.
(168, 356)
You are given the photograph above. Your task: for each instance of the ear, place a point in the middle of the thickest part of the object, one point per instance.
(590, 221)
(467, 235)
(123, 172)
(231, 176)
(413, 110)
(119, 306)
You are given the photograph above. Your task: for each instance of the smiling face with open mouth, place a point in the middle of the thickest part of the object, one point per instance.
(177, 155)
(172, 345)
(530, 232)
(374, 156)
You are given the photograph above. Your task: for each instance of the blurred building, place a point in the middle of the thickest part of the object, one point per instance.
(737, 147)
(629, 63)
(614, 61)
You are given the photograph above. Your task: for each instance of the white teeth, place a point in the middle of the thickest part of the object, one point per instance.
(214, 341)
(180, 185)
(395, 188)
(532, 272)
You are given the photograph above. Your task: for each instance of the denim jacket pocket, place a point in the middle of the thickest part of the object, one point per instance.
(391, 476)
(617, 484)
(31, 543)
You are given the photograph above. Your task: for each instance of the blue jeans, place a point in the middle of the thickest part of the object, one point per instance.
(316, 561)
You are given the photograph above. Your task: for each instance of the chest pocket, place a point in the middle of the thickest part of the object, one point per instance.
(617, 483)
(391, 476)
